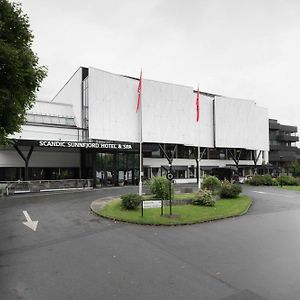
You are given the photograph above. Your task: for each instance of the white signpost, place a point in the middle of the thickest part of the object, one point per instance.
(151, 204)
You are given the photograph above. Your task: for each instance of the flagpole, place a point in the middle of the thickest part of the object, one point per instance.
(197, 120)
(141, 139)
(141, 166)
(199, 170)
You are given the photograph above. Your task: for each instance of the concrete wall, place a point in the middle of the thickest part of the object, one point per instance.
(158, 162)
(52, 108)
(71, 94)
(33, 132)
(10, 158)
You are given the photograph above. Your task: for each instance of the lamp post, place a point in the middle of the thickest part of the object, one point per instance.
(280, 174)
(170, 190)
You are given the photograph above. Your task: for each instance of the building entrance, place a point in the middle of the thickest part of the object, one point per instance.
(117, 168)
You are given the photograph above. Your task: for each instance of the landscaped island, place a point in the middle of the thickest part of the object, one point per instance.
(183, 214)
(217, 200)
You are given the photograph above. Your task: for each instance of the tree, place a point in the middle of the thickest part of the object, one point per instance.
(20, 74)
(296, 169)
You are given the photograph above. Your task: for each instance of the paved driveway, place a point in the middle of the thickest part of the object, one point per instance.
(76, 255)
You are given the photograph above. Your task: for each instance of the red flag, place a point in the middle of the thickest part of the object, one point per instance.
(139, 93)
(197, 106)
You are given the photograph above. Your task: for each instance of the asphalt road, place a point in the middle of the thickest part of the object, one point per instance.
(76, 255)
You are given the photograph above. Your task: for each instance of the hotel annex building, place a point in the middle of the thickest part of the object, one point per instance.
(92, 129)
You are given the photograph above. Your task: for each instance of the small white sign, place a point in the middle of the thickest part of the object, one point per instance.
(152, 204)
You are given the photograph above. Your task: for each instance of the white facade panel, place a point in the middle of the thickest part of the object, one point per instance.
(169, 115)
(260, 130)
(158, 162)
(52, 108)
(206, 121)
(112, 107)
(240, 124)
(71, 94)
(168, 111)
(30, 132)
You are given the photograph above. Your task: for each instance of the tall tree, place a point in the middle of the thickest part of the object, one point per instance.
(20, 74)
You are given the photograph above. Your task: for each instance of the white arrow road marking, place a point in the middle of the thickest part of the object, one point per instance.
(29, 223)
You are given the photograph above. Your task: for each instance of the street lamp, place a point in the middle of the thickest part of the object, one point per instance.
(280, 159)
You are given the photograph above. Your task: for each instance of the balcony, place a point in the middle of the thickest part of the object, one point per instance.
(282, 148)
(287, 138)
(277, 157)
(274, 126)
(288, 128)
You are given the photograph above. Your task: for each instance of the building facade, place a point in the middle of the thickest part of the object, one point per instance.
(283, 149)
(92, 128)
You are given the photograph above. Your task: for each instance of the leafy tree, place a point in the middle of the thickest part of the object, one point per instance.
(20, 74)
(296, 169)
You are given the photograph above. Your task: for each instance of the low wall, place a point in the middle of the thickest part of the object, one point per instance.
(35, 186)
(178, 202)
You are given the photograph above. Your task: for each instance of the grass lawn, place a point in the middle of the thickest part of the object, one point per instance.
(291, 187)
(182, 214)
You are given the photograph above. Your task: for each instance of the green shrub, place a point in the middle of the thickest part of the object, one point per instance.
(160, 187)
(130, 201)
(261, 180)
(255, 180)
(287, 180)
(229, 190)
(211, 183)
(204, 197)
(267, 179)
(296, 169)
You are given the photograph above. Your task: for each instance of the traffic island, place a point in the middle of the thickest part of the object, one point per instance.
(182, 214)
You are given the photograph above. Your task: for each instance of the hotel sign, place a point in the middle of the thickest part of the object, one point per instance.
(87, 145)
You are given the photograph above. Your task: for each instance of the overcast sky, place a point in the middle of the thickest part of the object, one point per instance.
(238, 48)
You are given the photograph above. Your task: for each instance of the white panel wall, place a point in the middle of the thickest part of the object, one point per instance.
(169, 115)
(169, 111)
(10, 158)
(260, 130)
(71, 94)
(205, 123)
(241, 124)
(158, 162)
(112, 107)
(51, 108)
(29, 132)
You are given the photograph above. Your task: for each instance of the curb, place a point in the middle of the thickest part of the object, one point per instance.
(97, 204)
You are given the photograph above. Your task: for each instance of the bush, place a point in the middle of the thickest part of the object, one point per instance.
(296, 169)
(229, 190)
(261, 180)
(204, 197)
(268, 179)
(130, 201)
(211, 183)
(287, 180)
(160, 187)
